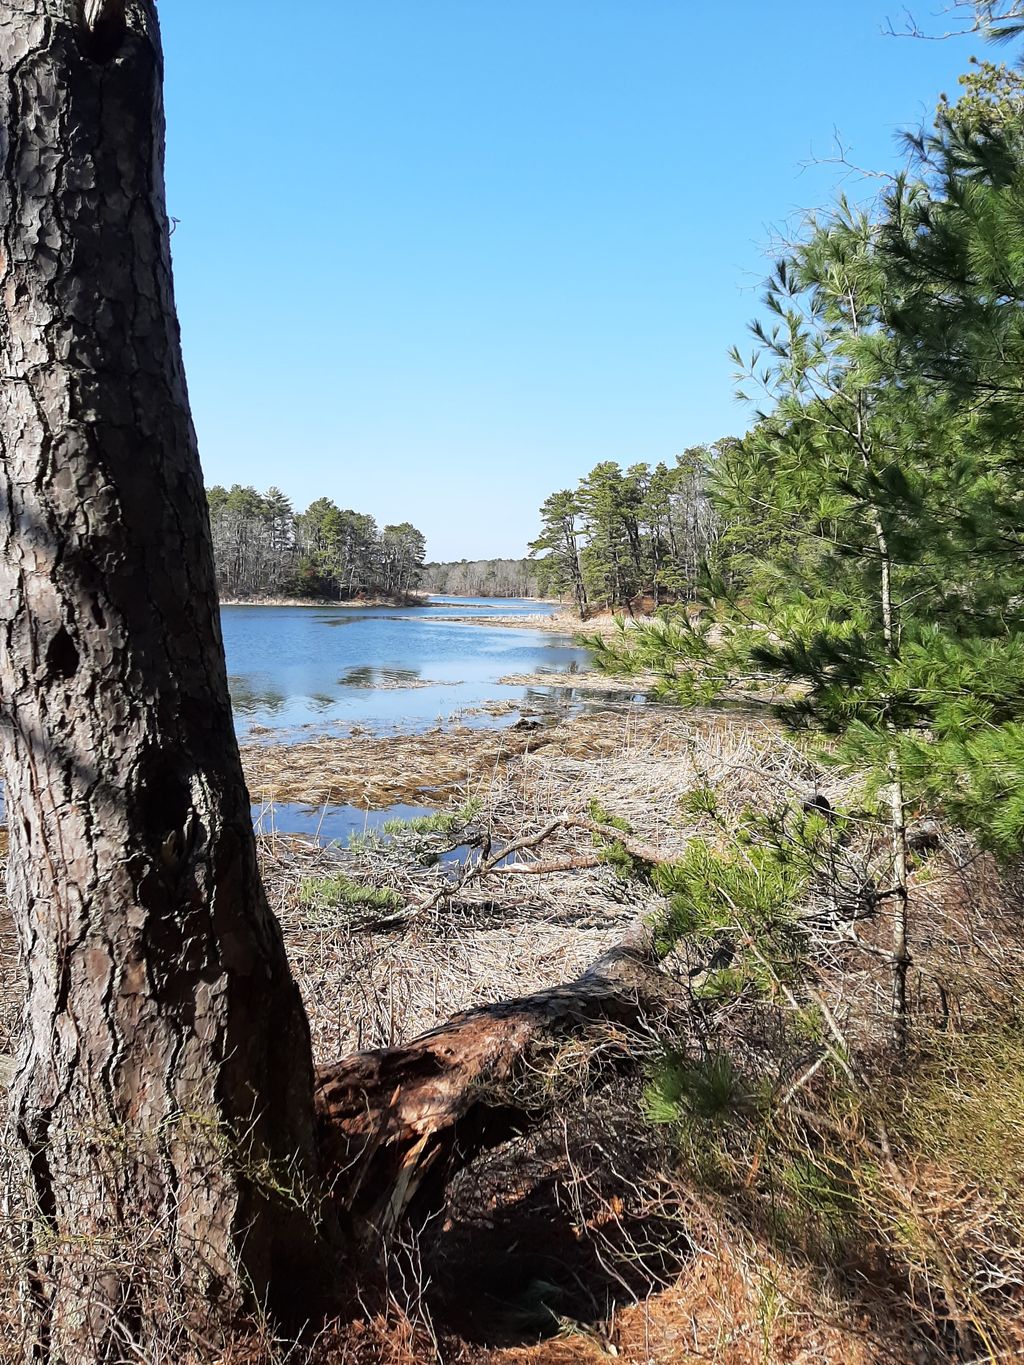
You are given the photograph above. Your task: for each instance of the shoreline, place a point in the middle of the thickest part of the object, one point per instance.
(558, 623)
(413, 600)
(416, 599)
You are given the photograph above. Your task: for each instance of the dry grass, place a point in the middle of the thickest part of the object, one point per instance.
(506, 935)
(598, 1230)
(376, 771)
(439, 764)
(563, 622)
(604, 684)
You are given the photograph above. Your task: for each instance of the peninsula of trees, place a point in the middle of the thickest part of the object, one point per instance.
(621, 534)
(263, 548)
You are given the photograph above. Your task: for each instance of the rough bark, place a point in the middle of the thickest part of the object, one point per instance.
(162, 1100)
(397, 1124)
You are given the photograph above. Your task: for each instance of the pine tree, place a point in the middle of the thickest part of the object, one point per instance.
(957, 258)
(873, 517)
(559, 569)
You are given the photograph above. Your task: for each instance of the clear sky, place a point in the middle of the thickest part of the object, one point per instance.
(437, 258)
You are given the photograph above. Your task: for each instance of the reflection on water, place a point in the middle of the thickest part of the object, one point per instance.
(546, 700)
(329, 824)
(367, 675)
(248, 699)
(339, 824)
(408, 667)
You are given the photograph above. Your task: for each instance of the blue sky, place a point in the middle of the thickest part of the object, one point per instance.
(437, 258)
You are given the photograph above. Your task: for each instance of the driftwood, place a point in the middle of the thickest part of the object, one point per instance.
(398, 1123)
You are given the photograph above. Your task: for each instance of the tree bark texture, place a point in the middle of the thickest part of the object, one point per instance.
(162, 1106)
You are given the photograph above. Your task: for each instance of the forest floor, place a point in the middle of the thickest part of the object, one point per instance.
(603, 1233)
(608, 1231)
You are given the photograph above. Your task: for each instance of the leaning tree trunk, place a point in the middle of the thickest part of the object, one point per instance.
(162, 1108)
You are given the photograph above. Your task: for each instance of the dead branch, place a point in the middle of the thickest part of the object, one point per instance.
(398, 1123)
(647, 853)
(498, 862)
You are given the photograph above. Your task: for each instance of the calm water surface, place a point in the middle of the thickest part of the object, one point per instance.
(294, 669)
(300, 670)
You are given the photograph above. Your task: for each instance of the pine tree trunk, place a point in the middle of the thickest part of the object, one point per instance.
(162, 1108)
(900, 945)
(897, 810)
(579, 586)
(897, 806)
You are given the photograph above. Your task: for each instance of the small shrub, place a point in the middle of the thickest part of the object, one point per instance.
(700, 1100)
(601, 816)
(625, 864)
(747, 893)
(340, 892)
(702, 800)
(683, 1090)
(448, 823)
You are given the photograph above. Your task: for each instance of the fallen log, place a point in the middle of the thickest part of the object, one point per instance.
(398, 1123)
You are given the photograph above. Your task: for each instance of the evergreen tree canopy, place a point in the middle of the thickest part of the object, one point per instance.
(870, 572)
(622, 534)
(262, 547)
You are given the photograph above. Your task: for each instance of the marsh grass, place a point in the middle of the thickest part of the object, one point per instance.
(340, 893)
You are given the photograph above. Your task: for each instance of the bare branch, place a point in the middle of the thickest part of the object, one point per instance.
(497, 862)
(994, 21)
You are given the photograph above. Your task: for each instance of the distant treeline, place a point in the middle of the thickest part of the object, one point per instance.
(482, 578)
(623, 533)
(263, 548)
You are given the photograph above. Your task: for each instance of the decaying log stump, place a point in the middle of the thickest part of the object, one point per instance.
(398, 1123)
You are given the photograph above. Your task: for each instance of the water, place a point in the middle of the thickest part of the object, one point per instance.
(329, 824)
(303, 669)
(294, 671)
(338, 824)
